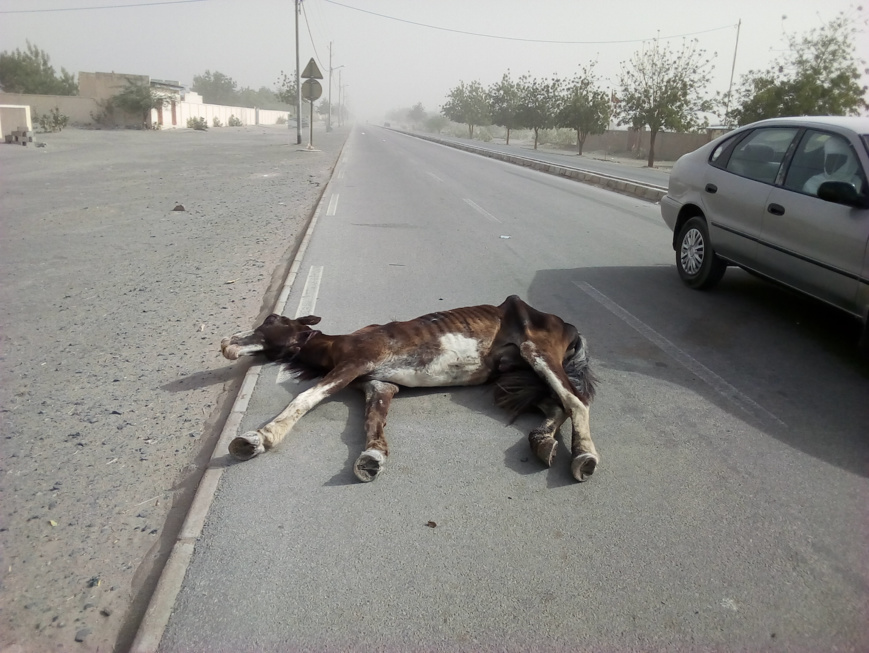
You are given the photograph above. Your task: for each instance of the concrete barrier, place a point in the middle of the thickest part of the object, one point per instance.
(621, 185)
(14, 117)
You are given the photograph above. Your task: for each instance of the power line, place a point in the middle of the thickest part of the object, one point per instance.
(311, 36)
(513, 38)
(138, 4)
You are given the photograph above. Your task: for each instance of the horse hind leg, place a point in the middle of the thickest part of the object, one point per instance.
(584, 454)
(371, 462)
(542, 439)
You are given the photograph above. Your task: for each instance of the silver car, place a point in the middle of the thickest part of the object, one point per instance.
(784, 198)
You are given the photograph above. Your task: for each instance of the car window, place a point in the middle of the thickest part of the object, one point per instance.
(759, 155)
(821, 157)
(718, 158)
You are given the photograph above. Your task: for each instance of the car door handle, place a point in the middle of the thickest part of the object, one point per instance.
(711, 188)
(776, 209)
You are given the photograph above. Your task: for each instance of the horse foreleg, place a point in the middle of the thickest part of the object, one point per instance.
(371, 462)
(252, 443)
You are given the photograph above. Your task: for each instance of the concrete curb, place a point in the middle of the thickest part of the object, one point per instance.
(648, 192)
(156, 618)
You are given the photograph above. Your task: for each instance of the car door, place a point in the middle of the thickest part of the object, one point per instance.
(737, 189)
(814, 245)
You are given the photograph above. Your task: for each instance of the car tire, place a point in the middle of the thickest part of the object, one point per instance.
(698, 264)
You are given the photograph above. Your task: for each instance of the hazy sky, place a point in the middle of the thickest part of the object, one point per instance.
(413, 51)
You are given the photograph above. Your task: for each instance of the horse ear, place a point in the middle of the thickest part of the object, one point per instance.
(308, 320)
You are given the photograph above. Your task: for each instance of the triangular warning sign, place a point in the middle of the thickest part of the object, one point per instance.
(311, 71)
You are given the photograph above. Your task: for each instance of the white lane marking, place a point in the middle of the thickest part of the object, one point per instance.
(333, 205)
(307, 304)
(686, 360)
(340, 174)
(435, 176)
(479, 209)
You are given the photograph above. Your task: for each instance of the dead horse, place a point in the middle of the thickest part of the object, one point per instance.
(535, 359)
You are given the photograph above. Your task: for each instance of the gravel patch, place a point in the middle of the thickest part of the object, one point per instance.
(124, 257)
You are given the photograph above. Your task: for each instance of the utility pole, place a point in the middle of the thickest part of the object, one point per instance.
(298, 86)
(329, 115)
(732, 69)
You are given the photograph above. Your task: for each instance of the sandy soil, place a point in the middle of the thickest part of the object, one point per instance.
(112, 388)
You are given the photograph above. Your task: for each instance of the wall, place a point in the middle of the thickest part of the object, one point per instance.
(81, 110)
(102, 86)
(669, 146)
(187, 110)
(86, 112)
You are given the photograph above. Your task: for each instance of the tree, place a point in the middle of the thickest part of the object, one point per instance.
(585, 107)
(664, 89)
(436, 122)
(819, 75)
(539, 103)
(504, 104)
(286, 88)
(31, 72)
(467, 103)
(139, 99)
(417, 113)
(216, 88)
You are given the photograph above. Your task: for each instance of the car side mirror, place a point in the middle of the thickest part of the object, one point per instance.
(841, 192)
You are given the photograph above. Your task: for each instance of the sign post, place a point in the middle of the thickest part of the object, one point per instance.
(311, 90)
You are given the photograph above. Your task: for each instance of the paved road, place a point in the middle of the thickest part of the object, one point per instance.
(728, 511)
(651, 176)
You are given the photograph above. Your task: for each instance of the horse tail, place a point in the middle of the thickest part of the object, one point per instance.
(521, 390)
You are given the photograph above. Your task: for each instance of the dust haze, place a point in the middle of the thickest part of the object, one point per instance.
(389, 54)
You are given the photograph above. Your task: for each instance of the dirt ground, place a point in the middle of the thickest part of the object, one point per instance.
(112, 387)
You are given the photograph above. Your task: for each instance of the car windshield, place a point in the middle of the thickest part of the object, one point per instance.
(865, 139)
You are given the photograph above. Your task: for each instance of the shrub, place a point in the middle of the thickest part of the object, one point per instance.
(53, 121)
(197, 123)
(215, 122)
(235, 122)
(281, 121)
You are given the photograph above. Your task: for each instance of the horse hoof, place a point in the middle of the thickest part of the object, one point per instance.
(246, 446)
(546, 450)
(583, 466)
(369, 465)
(543, 445)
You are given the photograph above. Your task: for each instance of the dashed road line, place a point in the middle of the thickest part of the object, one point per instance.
(333, 204)
(479, 209)
(307, 304)
(690, 363)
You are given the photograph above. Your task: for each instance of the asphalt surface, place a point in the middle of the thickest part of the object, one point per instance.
(112, 389)
(729, 509)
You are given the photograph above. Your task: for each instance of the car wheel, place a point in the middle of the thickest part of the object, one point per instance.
(698, 264)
